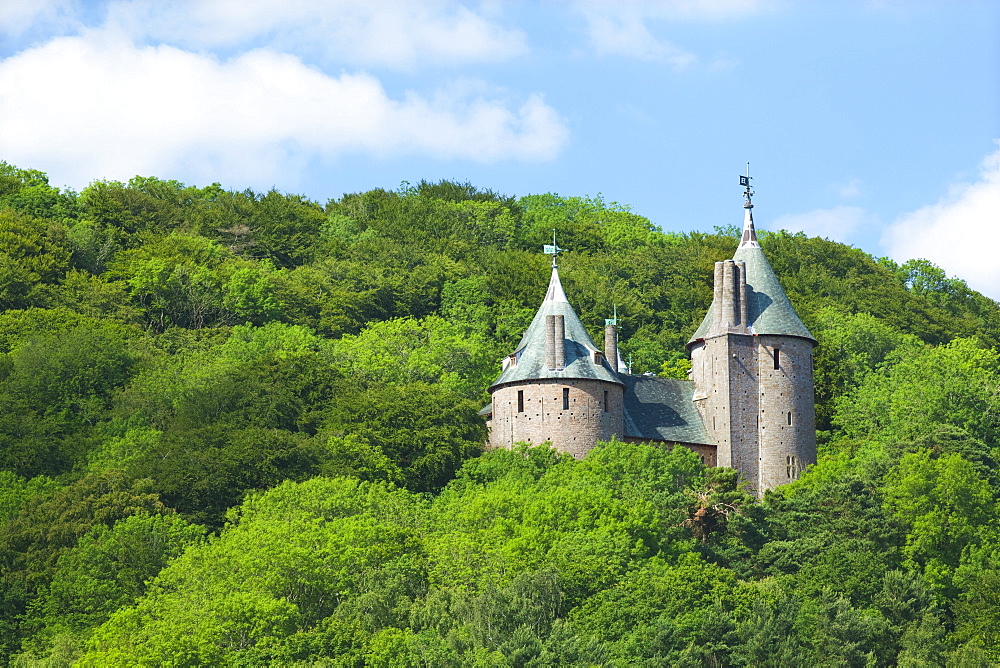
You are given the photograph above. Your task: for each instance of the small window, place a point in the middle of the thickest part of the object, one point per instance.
(565, 398)
(606, 401)
(598, 358)
(789, 418)
(520, 401)
(513, 360)
(777, 358)
(792, 467)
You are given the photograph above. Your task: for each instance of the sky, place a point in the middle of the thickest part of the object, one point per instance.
(873, 123)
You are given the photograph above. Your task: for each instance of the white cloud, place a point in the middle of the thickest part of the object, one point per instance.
(18, 16)
(395, 33)
(960, 234)
(98, 106)
(623, 28)
(623, 34)
(850, 190)
(839, 223)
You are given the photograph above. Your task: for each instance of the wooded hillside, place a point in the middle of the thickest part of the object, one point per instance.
(241, 428)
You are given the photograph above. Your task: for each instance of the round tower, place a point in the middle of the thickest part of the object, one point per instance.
(557, 385)
(751, 363)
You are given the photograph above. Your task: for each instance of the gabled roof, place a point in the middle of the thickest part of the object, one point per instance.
(662, 409)
(579, 348)
(768, 309)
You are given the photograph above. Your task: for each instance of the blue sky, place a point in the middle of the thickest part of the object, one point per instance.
(872, 123)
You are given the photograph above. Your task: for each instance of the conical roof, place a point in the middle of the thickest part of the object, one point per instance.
(768, 309)
(579, 347)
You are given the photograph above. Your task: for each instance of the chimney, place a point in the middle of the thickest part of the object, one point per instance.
(611, 345)
(741, 292)
(717, 312)
(555, 342)
(729, 312)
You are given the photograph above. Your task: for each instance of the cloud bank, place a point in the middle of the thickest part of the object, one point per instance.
(98, 105)
(623, 28)
(387, 33)
(960, 233)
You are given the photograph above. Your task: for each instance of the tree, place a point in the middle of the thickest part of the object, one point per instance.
(945, 507)
(429, 350)
(291, 558)
(50, 523)
(107, 569)
(956, 384)
(33, 251)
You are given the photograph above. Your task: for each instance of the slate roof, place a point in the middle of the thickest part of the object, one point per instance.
(768, 308)
(579, 347)
(662, 409)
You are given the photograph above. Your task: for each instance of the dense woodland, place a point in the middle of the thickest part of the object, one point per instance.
(241, 428)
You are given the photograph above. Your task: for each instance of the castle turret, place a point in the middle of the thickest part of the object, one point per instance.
(557, 385)
(751, 363)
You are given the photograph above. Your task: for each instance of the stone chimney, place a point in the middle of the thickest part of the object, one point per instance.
(555, 342)
(730, 303)
(611, 345)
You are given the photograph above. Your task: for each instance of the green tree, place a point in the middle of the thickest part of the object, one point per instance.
(430, 350)
(945, 507)
(956, 384)
(290, 558)
(33, 252)
(107, 569)
(49, 524)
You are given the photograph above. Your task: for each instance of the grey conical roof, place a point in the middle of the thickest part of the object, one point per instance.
(579, 347)
(768, 309)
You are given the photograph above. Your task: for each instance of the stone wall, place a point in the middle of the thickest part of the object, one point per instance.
(787, 409)
(762, 418)
(575, 429)
(724, 370)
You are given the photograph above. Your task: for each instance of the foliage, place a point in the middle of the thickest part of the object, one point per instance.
(957, 384)
(303, 383)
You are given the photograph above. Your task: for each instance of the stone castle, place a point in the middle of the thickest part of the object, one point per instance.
(748, 404)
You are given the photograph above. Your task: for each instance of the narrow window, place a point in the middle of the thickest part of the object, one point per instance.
(777, 358)
(789, 418)
(520, 401)
(791, 467)
(513, 360)
(565, 398)
(605, 401)
(598, 358)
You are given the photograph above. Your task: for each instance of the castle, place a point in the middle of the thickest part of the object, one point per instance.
(748, 404)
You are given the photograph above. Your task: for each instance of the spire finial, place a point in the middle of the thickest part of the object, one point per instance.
(748, 192)
(553, 250)
(749, 238)
(614, 320)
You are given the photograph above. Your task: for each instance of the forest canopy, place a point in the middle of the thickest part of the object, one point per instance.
(242, 428)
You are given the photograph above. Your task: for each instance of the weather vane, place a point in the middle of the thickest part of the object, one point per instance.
(614, 320)
(748, 193)
(553, 250)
